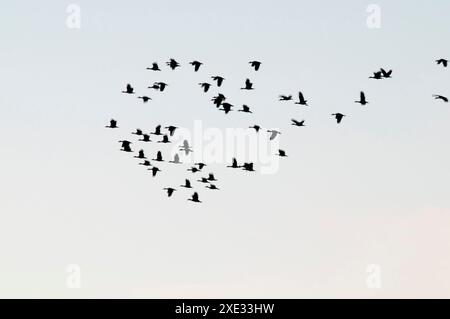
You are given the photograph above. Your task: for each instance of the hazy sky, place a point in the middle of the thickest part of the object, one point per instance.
(371, 191)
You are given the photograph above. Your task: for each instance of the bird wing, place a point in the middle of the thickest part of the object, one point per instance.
(273, 135)
(195, 196)
(159, 156)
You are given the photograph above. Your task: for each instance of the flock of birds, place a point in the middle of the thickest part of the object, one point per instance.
(222, 104)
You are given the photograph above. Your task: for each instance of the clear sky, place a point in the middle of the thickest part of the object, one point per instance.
(365, 199)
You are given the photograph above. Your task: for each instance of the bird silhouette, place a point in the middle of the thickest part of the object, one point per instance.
(226, 107)
(171, 129)
(376, 75)
(362, 99)
(212, 186)
(154, 170)
(234, 164)
(126, 146)
(173, 64)
(187, 184)
(203, 180)
(154, 67)
(165, 139)
(193, 169)
(129, 89)
(159, 157)
(298, 123)
(186, 148)
(161, 85)
(112, 124)
(154, 86)
(200, 165)
(441, 97)
(256, 128)
(219, 80)
(285, 98)
(196, 65)
(144, 98)
(273, 134)
(146, 163)
(205, 86)
(248, 85)
(138, 132)
(386, 74)
(444, 62)
(219, 99)
(338, 116)
(245, 109)
(255, 64)
(301, 99)
(145, 138)
(212, 178)
(194, 198)
(248, 167)
(141, 155)
(157, 130)
(282, 153)
(176, 159)
(169, 190)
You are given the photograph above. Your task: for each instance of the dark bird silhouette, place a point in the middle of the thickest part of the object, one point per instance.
(141, 155)
(145, 138)
(187, 184)
(200, 165)
(376, 75)
(159, 157)
(112, 124)
(212, 178)
(273, 134)
(219, 80)
(186, 148)
(245, 109)
(195, 198)
(126, 146)
(255, 64)
(154, 67)
(362, 99)
(173, 64)
(144, 98)
(129, 89)
(205, 86)
(234, 164)
(256, 128)
(219, 99)
(170, 191)
(282, 153)
(154, 170)
(301, 99)
(161, 85)
(138, 132)
(441, 97)
(176, 159)
(248, 85)
(171, 129)
(248, 167)
(154, 86)
(196, 65)
(146, 163)
(212, 186)
(203, 180)
(165, 139)
(193, 169)
(444, 62)
(386, 74)
(157, 130)
(285, 98)
(338, 116)
(226, 107)
(298, 123)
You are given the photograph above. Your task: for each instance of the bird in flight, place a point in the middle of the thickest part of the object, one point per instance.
(248, 85)
(273, 134)
(112, 124)
(154, 170)
(285, 98)
(212, 186)
(248, 167)
(441, 97)
(338, 116)
(176, 159)
(211, 177)
(298, 123)
(141, 155)
(386, 74)
(282, 153)
(154, 67)
(376, 75)
(196, 65)
(203, 180)
(154, 86)
(193, 169)
(165, 139)
(194, 198)
(205, 86)
(144, 98)
(159, 157)
(160, 85)
(218, 79)
(157, 130)
(362, 99)
(301, 99)
(126, 146)
(200, 165)
(170, 191)
(145, 138)
(245, 109)
(171, 129)
(187, 184)
(226, 107)
(234, 164)
(256, 128)
(219, 99)
(173, 64)
(138, 132)
(186, 148)
(444, 62)
(129, 89)
(146, 163)
(255, 64)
